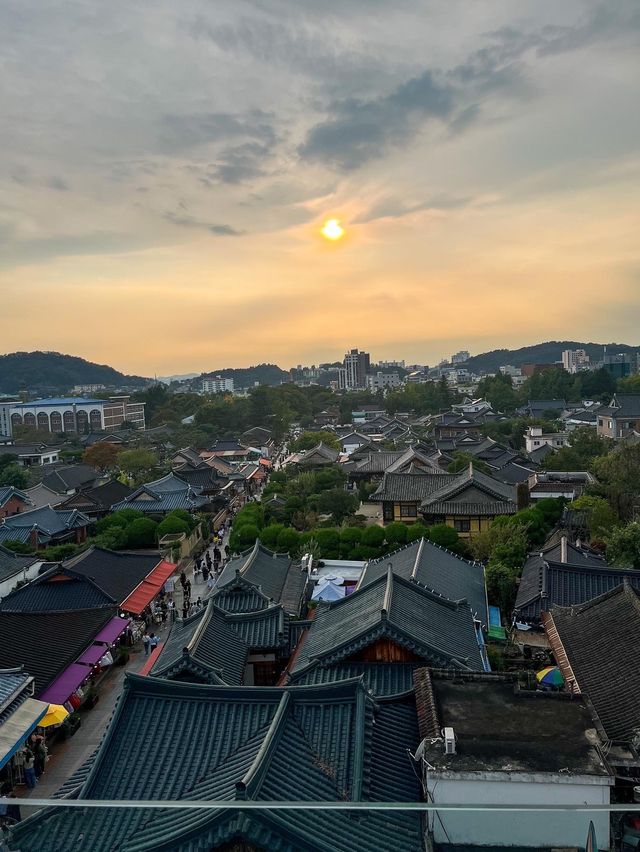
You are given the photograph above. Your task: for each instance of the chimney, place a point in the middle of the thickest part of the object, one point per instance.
(563, 549)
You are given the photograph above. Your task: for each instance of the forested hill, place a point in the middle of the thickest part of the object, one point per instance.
(247, 377)
(52, 372)
(541, 353)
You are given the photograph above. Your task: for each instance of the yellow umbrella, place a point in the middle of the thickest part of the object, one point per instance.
(56, 714)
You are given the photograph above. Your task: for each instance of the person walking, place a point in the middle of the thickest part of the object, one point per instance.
(29, 770)
(205, 572)
(185, 610)
(183, 579)
(153, 642)
(146, 641)
(40, 756)
(210, 582)
(172, 611)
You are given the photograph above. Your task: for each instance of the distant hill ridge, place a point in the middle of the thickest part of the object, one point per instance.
(246, 377)
(541, 353)
(56, 373)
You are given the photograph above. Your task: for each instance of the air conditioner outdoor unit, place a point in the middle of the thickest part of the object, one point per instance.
(449, 741)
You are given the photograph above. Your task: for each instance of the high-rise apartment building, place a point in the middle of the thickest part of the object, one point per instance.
(460, 357)
(217, 384)
(574, 360)
(353, 373)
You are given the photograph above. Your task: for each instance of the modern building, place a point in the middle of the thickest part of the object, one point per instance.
(32, 455)
(619, 365)
(389, 365)
(217, 384)
(381, 381)
(460, 357)
(621, 417)
(353, 373)
(535, 437)
(72, 414)
(575, 360)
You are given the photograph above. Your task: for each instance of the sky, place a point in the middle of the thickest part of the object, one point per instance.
(167, 167)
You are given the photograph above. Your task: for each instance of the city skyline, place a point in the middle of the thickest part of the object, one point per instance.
(167, 172)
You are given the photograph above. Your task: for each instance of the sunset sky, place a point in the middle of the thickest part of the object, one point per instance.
(167, 166)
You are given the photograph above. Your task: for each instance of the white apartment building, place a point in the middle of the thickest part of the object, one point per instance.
(217, 384)
(574, 360)
(460, 357)
(380, 381)
(355, 368)
(535, 437)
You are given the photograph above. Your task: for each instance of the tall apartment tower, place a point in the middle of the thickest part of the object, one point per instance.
(354, 370)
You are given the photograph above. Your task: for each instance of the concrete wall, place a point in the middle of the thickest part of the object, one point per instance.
(524, 828)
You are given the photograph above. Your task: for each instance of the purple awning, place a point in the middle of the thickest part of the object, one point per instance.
(111, 631)
(92, 655)
(66, 683)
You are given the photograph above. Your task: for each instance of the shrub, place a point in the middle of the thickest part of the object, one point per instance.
(396, 533)
(373, 537)
(172, 526)
(141, 533)
(243, 537)
(269, 535)
(416, 531)
(444, 536)
(185, 516)
(288, 540)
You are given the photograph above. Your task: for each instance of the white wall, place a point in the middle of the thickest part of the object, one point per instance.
(524, 828)
(9, 584)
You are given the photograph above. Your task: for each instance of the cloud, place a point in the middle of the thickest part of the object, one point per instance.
(189, 130)
(397, 208)
(186, 221)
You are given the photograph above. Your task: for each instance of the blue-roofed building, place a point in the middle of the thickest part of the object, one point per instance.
(327, 743)
(72, 414)
(164, 495)
(19, 711)
(45, 526)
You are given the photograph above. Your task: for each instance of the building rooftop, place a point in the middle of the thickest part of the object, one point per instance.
(501, 728)
(59, 401)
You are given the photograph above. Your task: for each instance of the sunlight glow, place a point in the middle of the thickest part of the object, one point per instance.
(332, 229)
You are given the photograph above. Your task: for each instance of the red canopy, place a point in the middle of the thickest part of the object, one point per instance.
(146, 591)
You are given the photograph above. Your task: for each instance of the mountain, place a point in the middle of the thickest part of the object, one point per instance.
(247, 377)
(181, 378)
(541, 353)
(52, 372)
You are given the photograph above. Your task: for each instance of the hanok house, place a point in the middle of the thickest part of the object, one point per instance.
(318, 456)
(469, 502)
(243, 647)
(12, 501)
(45, 527)
(565, 575)
(402, 494)
(485, 741)
(19, 716)
(329, 743)
(164, 495)
(96, 502)
(16, 568)
(71, 478)
(269, 576)
(621, 417)
(59, 627)
(435, 568)
(133, 580)
(382, 632)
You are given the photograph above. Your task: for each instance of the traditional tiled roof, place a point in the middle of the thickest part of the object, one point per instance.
(210, 640)
(189, 455)
(325, 743)
(320, 454)
(623, 405)
(47, 643)
(471, 492)
(117, 573)
(437, 569)
(545, 584)
(203, 476)
(263, 630)
(275, 575)
(13, 683)
(409, 487)
(164, 495)
(98, 499)
(429, 626)
(46, 521)
(596, 646)
(71, 477)
(8, 492)
(382, 679)
(11, 563)
(40, 496)
(377, 462)
(59, 590)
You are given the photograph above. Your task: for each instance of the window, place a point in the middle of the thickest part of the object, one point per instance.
(462, 525)
(387, 512)
(408, 510)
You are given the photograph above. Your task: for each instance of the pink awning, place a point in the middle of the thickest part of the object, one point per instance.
(66, 684)
(112, 630)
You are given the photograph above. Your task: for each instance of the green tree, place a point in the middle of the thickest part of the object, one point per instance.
(14, 475)
(460, 461)
(141, 533)
(601, 518)
(623, 546)
(185, 516)
(445, 536)
(137, 462)
(328, 541)
(288, 540)
(619, 475)
(311, 439)
(499, 391)
(416, 531)
(373, 536)
(171, 526)
(337, 502)
(102, 455)
(243, 537)
(112, 538)
(501, 585)
(269, 535)
(396, 534)
(585, 446)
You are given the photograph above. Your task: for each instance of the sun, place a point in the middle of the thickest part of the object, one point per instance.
(332, 229)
